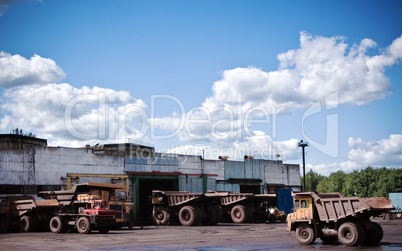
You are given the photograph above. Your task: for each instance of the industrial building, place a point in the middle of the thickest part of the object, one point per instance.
(28, 165)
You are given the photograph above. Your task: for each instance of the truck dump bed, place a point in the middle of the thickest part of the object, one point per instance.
(233, 198)
(334, 206)
(176, 198)
(20, 205)
(67, 197)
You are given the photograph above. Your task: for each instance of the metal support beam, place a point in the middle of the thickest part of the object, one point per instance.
(91, 175)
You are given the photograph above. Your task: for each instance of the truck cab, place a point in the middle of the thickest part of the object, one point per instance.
(302, 211)
(303, 207)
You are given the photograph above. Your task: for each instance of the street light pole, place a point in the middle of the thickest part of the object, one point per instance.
(303, 145)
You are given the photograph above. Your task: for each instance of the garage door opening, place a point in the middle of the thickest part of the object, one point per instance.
(146, 185)
(255, 189)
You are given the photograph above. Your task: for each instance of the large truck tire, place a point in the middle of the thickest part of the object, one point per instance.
(374, 234)
(249, 214)
(348, 234)
(305, 234)
(57, 225)
(160, 215)
(5, 223)
(188, 216)
(199, 214)
(362, 234)
(238, 214)
(83, 225)
(213, 216)
(27, 223)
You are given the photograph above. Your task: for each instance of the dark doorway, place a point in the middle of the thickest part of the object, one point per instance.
(250, 189)
(146, 186)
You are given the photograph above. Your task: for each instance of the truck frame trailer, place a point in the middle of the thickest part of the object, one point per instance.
(205, 208)
(332, 217)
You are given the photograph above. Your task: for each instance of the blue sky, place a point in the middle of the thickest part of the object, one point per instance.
(228, 77)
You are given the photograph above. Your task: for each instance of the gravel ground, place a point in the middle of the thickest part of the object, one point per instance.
(220, 237)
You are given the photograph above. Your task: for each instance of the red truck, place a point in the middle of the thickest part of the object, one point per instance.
(84, 216)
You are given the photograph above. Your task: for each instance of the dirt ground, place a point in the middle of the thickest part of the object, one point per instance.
(221, 237)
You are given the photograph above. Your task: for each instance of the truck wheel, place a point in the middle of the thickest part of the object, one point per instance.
(374, 236)
(348, 234)
(218, 213)
(160, 215)
(211, 216)
(238, 214)
(4, 224)
(26, 223)
(249, 214)
(83, 225)
(187, 216)
(305, 234)
(104, 230)
(199, 215)
(362, 234)
(57, 225)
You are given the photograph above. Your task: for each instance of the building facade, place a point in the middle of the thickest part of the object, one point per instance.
(28, 165)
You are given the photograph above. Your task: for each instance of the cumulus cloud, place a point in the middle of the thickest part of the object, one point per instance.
(70, 116)
(381, 153)
(16, 70)
(260, 145)
(320, 67)
(377, 153)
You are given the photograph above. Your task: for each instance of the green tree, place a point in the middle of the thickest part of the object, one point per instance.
(19, 131)
(312, 180)
(323, 186)
(369, 182)
(334, 183)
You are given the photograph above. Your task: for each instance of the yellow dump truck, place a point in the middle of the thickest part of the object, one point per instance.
(332, 217)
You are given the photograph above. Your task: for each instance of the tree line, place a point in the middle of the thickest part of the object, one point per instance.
(369, 182)
(18, 131)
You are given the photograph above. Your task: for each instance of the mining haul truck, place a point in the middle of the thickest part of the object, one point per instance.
(332, 217)
(193, 209)
(75, 209)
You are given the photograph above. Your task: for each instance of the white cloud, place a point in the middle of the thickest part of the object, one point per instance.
(71, 116)
(244, 100)
(382, 153)
(260, 145)
(320, 67)
(16, 70)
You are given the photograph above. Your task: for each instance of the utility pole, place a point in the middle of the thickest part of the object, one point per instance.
(303, 145)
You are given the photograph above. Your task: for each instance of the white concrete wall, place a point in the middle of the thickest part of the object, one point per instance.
(189, 164)
(216, 167)
(46, 165)
(276, 172)
(273, 172)
(49, 164)
(12, 168)
(294, 176)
